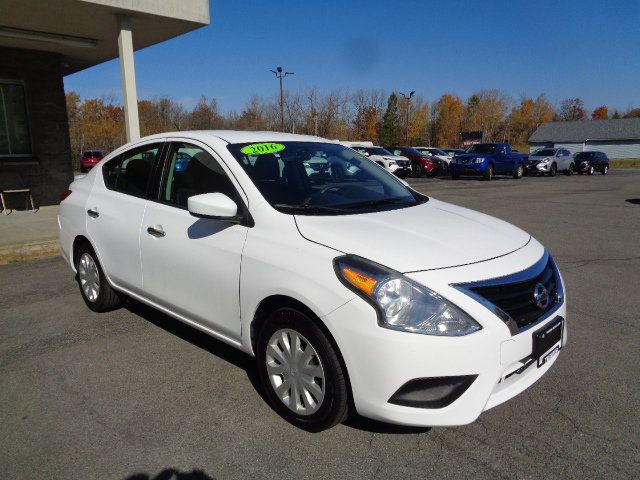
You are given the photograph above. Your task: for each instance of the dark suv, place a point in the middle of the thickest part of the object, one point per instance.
(590, 162)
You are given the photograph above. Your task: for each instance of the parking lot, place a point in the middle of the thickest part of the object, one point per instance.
(133, 393)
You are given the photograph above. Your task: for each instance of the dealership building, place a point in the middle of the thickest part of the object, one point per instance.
(618, 138)
(41, 41)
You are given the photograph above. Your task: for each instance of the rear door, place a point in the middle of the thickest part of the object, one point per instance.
(115, 209)
(192, 265)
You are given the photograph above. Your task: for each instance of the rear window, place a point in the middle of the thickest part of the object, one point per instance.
(92, 154)
(586, 155)
(546, 152)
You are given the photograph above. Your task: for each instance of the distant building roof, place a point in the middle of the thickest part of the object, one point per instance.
(581, 131)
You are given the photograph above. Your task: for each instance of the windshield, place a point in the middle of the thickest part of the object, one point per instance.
(435, 151)
(412, 151)
(482, 148)
(545, 152)
(374, 150)
(310, 178)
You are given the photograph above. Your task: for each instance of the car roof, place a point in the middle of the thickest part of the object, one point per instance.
(238, 136)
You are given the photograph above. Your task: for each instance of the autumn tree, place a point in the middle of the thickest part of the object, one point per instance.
(447, 122)
(204, 115)
(633, 113)
(419, 127)
(526, 117)
(600, 113)
(390, 128)
(485, 111)
(572, 109)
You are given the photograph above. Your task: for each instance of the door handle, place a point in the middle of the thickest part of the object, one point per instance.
(156, 232)
(93, 213)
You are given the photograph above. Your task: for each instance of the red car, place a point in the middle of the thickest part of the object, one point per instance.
(420, 163)
(89, 160)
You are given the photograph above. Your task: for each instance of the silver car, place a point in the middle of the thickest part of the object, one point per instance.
(550, 161)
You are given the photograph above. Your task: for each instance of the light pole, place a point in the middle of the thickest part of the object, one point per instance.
(280, 75)
(408, 99)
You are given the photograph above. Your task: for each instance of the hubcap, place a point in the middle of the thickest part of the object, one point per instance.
(295, 371)
(89, 277)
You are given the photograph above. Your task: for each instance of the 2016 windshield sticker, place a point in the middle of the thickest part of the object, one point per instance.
(262, 148)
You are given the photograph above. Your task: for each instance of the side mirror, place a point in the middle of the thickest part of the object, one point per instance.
(212, 205)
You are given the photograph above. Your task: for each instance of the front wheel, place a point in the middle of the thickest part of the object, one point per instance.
(94, 287)
(300, 371)
(519, 172)
(455, 175)
(591, 170)
(553, 170)
(605, 170)
(488, 173)
(416, 169)
(569, 171)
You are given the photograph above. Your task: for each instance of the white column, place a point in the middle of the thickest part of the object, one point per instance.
(128, 74)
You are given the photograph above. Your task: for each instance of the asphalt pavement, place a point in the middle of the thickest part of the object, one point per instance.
(134, 394)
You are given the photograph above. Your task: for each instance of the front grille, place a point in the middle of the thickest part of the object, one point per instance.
(532, 163)
(515, 295)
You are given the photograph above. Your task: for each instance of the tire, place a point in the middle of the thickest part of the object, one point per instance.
(605, 169)
(591, 170)
(455, 175)
(569, 171)
(94, 286)
(329, 397)
(553, 170)
(488, 173)
(416, 170)
(519, 173)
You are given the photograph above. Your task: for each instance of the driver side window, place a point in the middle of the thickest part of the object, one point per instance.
(192, 171)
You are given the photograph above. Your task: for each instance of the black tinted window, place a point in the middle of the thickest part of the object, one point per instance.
(130, 172)
(192, 171)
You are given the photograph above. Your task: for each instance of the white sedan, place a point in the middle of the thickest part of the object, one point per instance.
(350, 289)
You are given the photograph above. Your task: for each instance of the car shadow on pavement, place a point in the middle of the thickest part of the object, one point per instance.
(200, 339)
(241, 360)
(634, 201)
(172, 474)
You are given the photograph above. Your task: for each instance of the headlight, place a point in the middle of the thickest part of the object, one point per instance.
(392, 163)
(401, 303)
(544, 160)
(479, 160)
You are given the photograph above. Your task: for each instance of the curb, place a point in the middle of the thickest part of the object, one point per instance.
(29, 251)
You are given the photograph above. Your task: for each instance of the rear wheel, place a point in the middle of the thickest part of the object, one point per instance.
(605, 170)
(569, 171)
(488, 173)
(553, 170)
(519, 172)
(94, 287)
(300, 371)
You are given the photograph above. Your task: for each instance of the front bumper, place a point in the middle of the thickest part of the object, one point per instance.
(583, 167)
(380, 361)
(468, 168)
(537, 167)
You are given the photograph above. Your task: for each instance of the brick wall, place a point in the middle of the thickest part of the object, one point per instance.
(49, 171)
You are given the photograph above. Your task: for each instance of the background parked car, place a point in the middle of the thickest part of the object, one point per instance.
(550, 161)
(452, 152)
(487, 160)
(397, 164)
(590, 162)
(435, 152)
(420, 163)
(89, 159)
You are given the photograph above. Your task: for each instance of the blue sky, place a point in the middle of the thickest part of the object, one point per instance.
(562, 48)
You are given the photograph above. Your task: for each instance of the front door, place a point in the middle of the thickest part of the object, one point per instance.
(115, 209)
(192, 265)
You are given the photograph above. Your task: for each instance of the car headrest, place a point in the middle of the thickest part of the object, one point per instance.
(267, 167)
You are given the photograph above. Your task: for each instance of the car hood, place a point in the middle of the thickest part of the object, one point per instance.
(473, 155)
(429, 236)
(391, 157)
(539, 158)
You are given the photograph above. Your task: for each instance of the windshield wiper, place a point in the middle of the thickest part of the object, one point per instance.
(377, 203)
(306, 209)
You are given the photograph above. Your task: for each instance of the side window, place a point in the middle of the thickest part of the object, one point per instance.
(192, 171)
(130, 172)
